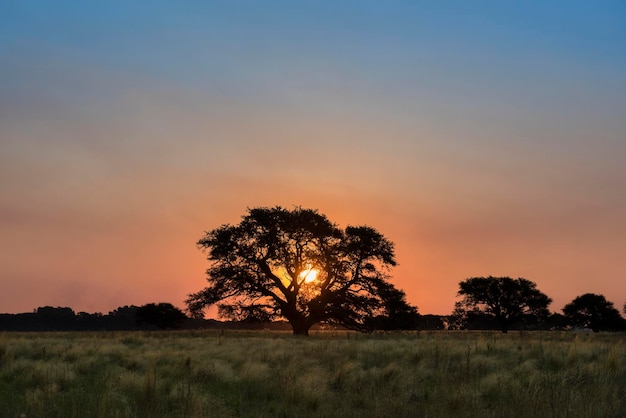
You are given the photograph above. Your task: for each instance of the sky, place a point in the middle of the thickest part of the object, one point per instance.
(482, 138)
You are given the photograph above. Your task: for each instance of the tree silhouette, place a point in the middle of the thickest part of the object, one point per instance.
(501, 300)
(259, 269)
(397, 313)
(160, 315)
(593, 311)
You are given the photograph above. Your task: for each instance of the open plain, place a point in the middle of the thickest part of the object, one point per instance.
(329, 374)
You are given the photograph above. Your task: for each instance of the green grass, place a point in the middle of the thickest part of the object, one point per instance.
(341, 374)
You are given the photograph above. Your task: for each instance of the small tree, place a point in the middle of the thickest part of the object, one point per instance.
(161, 315)
(593, 311)
(296, 264)
(122, 318)
(397, 313)
(504, 300)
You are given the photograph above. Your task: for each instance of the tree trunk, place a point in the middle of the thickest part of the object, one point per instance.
(301, 331)
(504, 327)
(505, 324)
(300, 326)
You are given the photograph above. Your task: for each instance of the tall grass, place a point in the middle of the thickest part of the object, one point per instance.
(257, 374)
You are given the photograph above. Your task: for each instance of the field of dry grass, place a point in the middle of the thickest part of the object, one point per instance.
(340, 374)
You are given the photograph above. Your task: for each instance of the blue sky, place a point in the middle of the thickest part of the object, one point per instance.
(482, 137)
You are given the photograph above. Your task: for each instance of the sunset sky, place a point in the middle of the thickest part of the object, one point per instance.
(481, 137)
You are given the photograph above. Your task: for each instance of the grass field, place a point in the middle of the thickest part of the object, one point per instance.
(340, 374)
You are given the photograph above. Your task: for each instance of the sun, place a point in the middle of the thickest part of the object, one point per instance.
(309, 275)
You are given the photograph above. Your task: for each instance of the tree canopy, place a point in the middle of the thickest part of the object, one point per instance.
(161, 315)
(593, 311)
(296, 264)
(504, 300)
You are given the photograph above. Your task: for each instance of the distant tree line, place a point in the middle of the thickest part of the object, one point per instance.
(488, 303)
(152, 316)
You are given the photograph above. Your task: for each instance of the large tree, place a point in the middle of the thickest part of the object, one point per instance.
(296, 264)
(502, 300)
(593, 311)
